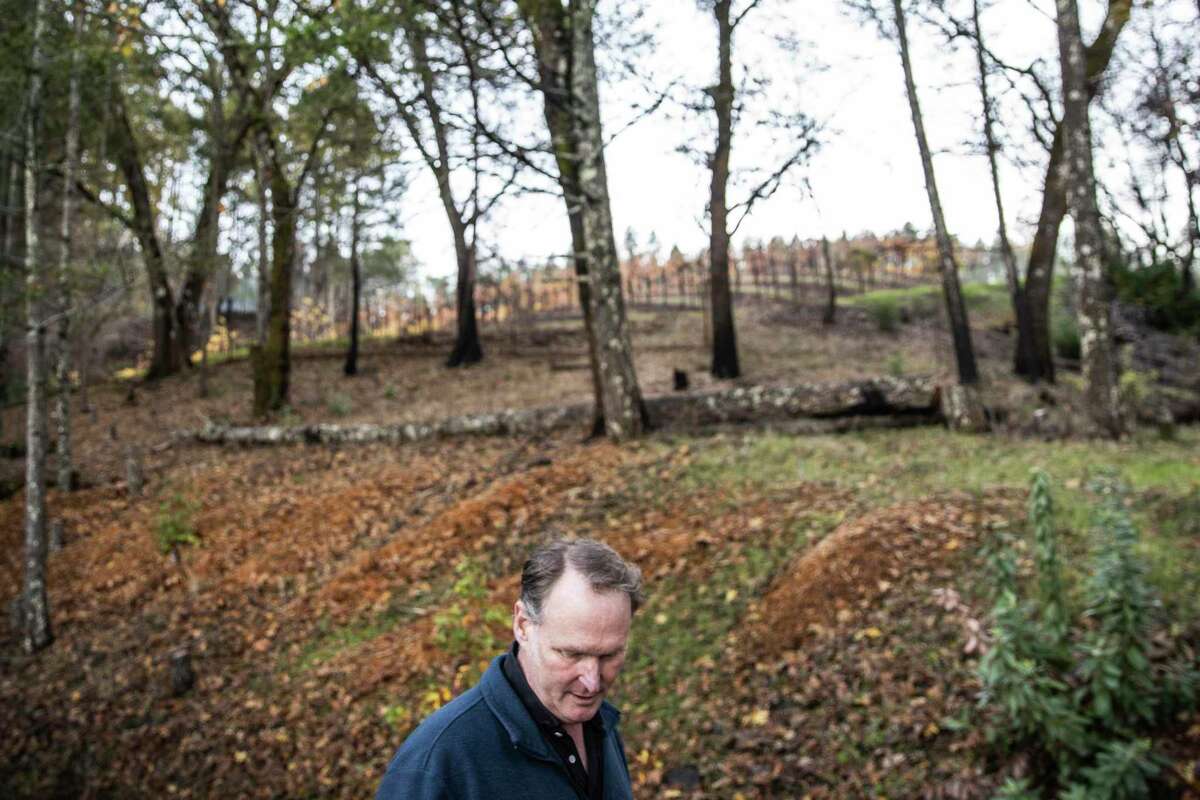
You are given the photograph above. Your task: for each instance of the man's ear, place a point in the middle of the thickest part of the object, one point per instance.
(520, 622)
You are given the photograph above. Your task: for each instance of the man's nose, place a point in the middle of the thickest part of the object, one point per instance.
(589, 675)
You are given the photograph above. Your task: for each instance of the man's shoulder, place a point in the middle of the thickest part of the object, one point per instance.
(459, 723)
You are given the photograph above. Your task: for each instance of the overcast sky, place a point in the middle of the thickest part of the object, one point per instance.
(866, 175)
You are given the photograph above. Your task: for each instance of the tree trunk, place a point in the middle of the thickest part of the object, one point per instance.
(724, 348)
(351, 365)
(206, 235)
(555, 63)
(63, 350)
(1095, 302)
(272, 362)
(831, 304)
(167, 358)
(960, 330)
(12, 212)
(624, 411)
(35, 612)
(262, 307)
(1039, 272)
(467, 348)
(1016, 290)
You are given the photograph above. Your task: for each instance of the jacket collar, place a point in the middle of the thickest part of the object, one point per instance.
(520, 727)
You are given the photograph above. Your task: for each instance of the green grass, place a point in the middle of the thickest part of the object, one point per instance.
(884, 467)
(891, 306)
(332, 640)
(686, 621)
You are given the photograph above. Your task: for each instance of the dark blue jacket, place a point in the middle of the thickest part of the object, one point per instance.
(483, 745)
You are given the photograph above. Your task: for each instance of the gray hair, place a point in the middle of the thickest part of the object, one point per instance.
(599, 564)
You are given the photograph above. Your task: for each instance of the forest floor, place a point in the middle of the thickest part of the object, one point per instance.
(812, 600)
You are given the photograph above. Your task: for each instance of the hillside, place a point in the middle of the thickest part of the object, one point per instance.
(815, 601)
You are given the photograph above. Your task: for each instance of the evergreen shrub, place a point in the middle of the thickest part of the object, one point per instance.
(1157, 290)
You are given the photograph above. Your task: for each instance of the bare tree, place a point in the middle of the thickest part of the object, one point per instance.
(724, 353)
(438, 158)
(728, 101)
(960, 329)
(1016, 289)
(35, 611)
(1095, 303)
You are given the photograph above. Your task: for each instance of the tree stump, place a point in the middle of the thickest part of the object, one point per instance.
(183, 677)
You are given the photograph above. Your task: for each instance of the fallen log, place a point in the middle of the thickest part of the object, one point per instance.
(883, 399)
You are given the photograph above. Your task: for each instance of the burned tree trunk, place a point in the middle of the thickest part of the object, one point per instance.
(724, 352)
(1016, 289)
(1095, 301)
(960, 329)
(830, 315)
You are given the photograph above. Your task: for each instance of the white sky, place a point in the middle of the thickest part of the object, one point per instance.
(866, 176)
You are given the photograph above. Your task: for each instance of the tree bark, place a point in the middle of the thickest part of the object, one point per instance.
(351, 365)
(1095, 301)
(624, 411)
(35, 612)
(724, 350)
(63, 350)
(467, 348)
(960, 329)
(831, 303)
(1039, 272)
(557, 62)
(262, 307)
(225, 141)
(555, 74)
(272, 362)
(1016, 290)
(167, 358)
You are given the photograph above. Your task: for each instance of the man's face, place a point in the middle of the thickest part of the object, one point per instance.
(572, 657)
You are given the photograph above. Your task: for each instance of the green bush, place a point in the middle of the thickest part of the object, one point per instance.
(173, 527)
(885, 313)
(1158, 291)
(1065, 334)
(1080, 693)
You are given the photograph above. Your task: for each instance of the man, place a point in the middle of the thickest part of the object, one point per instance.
(537, 726)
